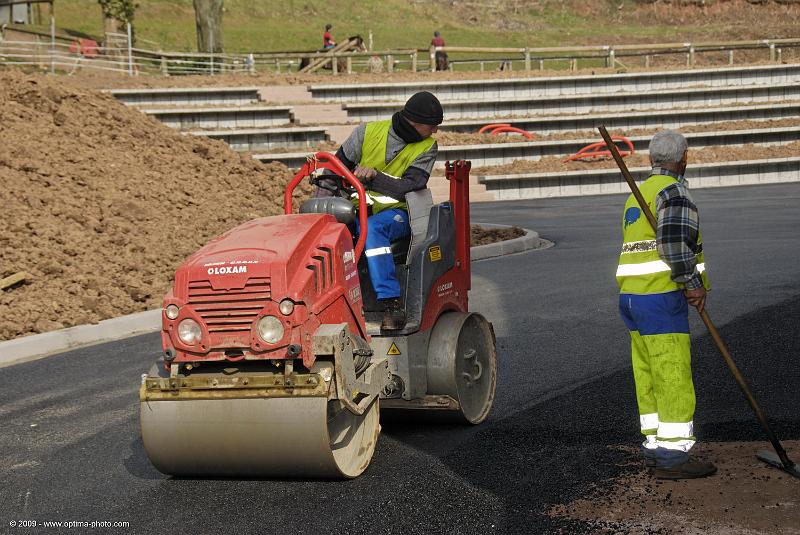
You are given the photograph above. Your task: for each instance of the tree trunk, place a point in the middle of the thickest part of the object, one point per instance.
(208, 18)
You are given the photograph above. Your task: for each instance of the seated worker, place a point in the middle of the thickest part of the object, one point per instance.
(392, 157)
(327, 37)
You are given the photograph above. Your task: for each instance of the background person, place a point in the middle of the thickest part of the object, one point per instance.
(327, 37)
(440, 56)
(660, 273)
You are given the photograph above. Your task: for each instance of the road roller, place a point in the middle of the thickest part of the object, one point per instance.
(274, 363)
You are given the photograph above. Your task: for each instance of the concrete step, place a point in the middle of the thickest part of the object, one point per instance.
(538, 86)
(262, 139)
(188, 96)
(215, 118)
(588, 103)
(629, 120)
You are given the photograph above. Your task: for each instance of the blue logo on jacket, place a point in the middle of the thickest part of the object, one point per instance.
(632, 215)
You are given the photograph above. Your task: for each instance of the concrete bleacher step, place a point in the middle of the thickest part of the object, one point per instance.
(668, 118)
(588, 103)
(258, 139)
(219, 117)
(188, 96)
(538, 86)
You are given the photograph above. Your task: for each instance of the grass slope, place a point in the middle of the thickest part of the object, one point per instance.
(267, 25)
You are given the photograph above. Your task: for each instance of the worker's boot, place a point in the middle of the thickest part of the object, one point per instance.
(688, 469)
(394, 315)
(649, 455)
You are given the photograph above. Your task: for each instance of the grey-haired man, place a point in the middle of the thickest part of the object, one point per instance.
(661, 271)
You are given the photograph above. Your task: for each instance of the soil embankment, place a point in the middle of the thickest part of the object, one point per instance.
(101, 203)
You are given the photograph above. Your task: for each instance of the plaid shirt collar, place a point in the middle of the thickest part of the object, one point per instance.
(667, 172)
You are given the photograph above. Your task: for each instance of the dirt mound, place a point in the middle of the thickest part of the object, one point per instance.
(745, 496)
(101, 203)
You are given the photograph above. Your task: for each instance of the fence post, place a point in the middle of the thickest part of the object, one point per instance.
(730, 57)
(370, 40)
(772, 51)
(647, 61)
(349, 65)
(414, 62)
(482, 66)
(164, 68)
(527, 58)
(211, 49)
(52, 44)
(334, 64)
(541, 64)
(691, 56)
(573, 64)
(433, 59)
(389, 63)
(779, 59)
(130, 50)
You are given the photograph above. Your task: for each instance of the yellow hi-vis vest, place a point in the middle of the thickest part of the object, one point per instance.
(641, 270)
(373, 154)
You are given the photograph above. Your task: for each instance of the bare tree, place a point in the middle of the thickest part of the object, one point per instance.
(208, 19)
(117, 13)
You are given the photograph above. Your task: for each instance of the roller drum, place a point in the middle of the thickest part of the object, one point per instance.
(259, 437)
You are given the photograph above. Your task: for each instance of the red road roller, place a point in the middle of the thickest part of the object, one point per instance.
(274, 363)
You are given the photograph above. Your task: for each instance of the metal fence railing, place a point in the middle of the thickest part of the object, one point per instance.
(118, 55)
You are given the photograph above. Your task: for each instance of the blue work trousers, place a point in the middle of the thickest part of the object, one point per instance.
(382, 229)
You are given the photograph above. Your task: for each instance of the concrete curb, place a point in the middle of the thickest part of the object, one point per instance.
(529, 241)
(43, 345)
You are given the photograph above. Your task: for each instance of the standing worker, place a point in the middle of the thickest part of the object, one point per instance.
(441, 56)
(327, 37)
(392, 157)
(660, 273)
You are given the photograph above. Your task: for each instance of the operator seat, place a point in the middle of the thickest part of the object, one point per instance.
(419, 207)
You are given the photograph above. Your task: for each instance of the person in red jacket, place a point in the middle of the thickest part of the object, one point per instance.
(327, 38)
(441, 57)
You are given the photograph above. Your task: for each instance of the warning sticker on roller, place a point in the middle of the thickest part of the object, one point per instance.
(393, 350)
(435, 253)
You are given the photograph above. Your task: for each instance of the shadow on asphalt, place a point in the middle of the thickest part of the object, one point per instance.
(568, 446)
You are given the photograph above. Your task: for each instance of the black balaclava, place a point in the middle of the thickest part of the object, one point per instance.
(404, 129)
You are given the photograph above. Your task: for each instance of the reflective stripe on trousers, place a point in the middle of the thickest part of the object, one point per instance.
(661, 358)
(382, 229)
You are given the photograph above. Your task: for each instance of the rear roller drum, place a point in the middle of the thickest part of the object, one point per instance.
(462, 363)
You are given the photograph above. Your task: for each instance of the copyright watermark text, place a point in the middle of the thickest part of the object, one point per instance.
(67, 524)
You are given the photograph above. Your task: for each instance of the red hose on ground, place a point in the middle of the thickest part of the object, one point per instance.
(593, 150)
(511, 129)
(484, 129)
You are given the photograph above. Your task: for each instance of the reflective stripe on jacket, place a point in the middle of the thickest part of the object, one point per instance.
(373, 154)
(641, 270)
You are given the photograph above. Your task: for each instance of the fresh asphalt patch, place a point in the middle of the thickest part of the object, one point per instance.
(568, 447)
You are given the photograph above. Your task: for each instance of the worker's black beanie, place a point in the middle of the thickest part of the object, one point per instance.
(424, 108)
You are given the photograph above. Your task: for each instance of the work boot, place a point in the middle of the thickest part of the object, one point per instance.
(394, 315)
(649, 456)
(688, 469)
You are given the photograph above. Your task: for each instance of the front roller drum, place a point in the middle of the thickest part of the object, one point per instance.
(462, 363)
(259, 437)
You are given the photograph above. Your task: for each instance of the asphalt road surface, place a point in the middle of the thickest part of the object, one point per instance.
(69, 438)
